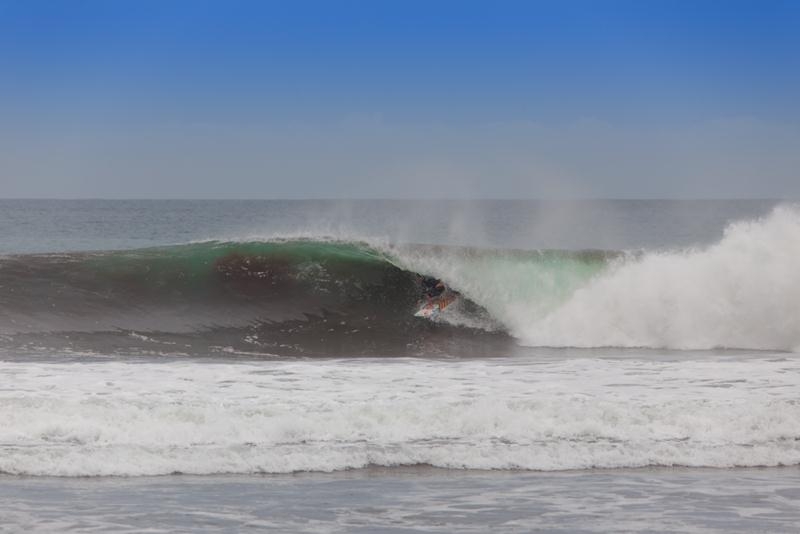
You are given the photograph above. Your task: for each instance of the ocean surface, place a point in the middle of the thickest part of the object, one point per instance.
(214, 365)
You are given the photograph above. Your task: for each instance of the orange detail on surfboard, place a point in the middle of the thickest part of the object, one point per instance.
(435, 306)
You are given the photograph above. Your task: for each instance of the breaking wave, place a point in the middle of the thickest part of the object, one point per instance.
(742, 292)
(320, 296)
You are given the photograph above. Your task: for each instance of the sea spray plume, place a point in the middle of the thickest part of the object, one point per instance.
(742, 292)
(431, 221)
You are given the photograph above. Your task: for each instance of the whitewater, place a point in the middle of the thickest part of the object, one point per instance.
(741, 292)
(145, 418)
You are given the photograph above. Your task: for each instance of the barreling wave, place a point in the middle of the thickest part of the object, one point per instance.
(318, 296)
(274, 297)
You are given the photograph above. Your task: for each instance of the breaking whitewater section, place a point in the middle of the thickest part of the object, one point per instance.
(333, 297)
(148, 418)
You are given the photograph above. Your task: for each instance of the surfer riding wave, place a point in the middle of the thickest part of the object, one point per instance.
(437, 296)
(431, 287)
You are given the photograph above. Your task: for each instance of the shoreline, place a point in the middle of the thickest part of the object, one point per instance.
(417, 470)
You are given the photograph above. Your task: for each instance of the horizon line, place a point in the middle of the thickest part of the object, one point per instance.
(400, 199)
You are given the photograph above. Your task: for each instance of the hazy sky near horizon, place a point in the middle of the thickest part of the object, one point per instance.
(354, 99)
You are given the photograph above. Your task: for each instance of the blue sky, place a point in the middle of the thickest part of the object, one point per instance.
(399, 99)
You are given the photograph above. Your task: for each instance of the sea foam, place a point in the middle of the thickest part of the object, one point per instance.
(114, 418)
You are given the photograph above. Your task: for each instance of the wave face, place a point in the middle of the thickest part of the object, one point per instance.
(281, 297)
(333, 297)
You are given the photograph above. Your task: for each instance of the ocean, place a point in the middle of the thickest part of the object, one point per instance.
(619, 365)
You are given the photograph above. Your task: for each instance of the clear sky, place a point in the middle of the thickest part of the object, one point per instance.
(352, 99)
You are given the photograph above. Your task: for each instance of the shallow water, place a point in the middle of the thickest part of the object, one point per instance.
(419, 499)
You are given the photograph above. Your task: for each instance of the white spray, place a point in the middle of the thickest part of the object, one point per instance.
(742, 292)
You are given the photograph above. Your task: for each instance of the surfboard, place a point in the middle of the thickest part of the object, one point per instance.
(432, 308)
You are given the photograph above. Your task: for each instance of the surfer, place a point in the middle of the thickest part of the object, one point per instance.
(437, 297)
(432, 287)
